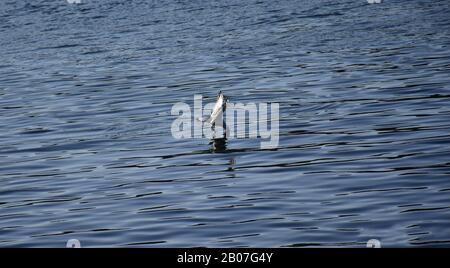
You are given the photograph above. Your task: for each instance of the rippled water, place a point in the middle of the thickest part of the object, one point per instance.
(85, 144)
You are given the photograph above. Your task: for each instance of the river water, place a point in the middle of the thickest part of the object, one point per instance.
(86, 150)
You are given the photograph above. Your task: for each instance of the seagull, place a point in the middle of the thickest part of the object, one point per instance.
(219, 108)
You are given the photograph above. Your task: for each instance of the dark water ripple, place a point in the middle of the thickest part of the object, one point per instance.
(85, 147)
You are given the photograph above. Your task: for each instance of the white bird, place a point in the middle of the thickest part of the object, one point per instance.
(219, 107)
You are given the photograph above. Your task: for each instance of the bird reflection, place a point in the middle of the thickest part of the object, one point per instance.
(218, 145)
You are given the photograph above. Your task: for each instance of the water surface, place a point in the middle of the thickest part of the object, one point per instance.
(86, 150)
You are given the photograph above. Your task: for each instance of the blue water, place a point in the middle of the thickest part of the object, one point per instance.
(86, 150)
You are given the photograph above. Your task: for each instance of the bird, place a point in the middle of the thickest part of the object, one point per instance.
(219, 108)
(219, 144)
